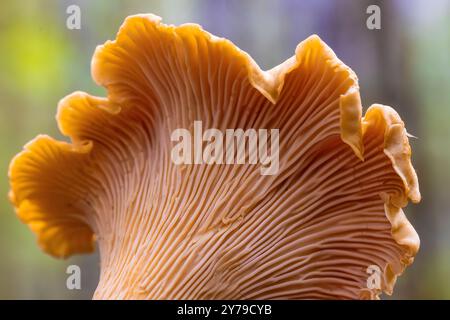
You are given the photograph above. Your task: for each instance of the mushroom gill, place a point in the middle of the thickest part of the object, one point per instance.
(168, 231)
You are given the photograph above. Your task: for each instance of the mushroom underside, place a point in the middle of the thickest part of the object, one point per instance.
(331, 213)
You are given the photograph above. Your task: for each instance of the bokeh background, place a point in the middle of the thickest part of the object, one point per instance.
(406, 64)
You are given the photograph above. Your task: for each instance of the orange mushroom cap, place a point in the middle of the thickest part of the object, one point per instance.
(221, 231)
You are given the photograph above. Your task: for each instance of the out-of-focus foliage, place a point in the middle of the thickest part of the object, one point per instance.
(406, 64)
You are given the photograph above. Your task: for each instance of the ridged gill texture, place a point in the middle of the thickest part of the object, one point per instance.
(200, 231)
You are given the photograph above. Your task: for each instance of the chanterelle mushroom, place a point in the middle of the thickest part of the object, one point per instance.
(313, 230)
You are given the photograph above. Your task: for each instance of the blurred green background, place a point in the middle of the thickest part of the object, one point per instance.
(406, 64)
